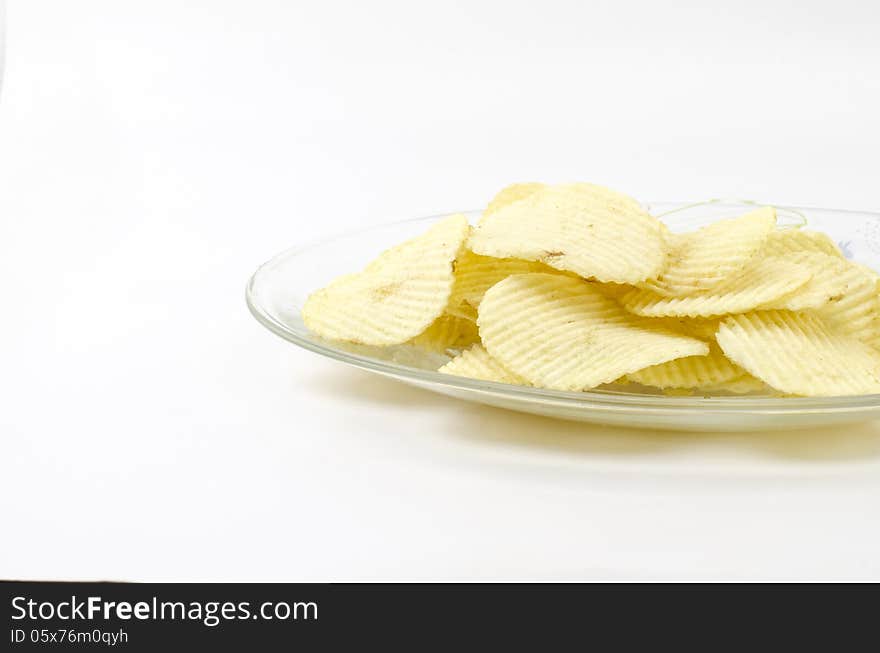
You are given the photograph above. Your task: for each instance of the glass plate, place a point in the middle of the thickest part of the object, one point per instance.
(279, 287)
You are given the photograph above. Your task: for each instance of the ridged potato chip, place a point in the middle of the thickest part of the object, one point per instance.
(613, 290)
(582, 228)
(448, 332)
(789, 241)
(510, 194)
(397, 296)
(857, 311)
(706, 258)
(476, 363)
(615, 197)
(475, 274)
(678, 392)
(464, 311)
(799, 354)
(763, 281)
(832, 278)
(560, 332)
(695, 327)
(742, 385)
(689, 372)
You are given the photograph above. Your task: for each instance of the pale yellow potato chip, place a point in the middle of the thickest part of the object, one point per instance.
(708, 257)
(464, 311)
(695, 327)
(873, 340)
(789, 241)
(582, 228)
(510, 194)
(448, 332)
(475, 274)
(832, 278)
(742, 385)
(615, 197)
(397, 296)
(678, 392)
(800, 354)
(613, 290)
(560, 332)
(476, 363)
(763, 281)
(690, 371)
(857, 311)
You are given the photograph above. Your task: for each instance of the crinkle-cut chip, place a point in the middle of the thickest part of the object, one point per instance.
(395, 297)
(612, 290)
(463, 311)
(448, 332)
(476, 363)
(832, 278)
(763, 281)
(562, 333)
(582, 228)
(700, 327)
(799, 354)
(510, 194)
(742, 385)
(706, 258)
(695, 327)
(475, 274)
(857, 312)
(615, 196)
(678, 392)
(789, 241)
(689, 372)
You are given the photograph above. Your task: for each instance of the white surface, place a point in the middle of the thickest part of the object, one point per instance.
(153, 153)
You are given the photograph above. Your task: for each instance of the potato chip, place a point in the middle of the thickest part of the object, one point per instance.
(857, 311)
(832, 278)
(397, 296)
(448, 332)
(742, 385)
(678, 392)
(613, 290)
(464, 311)
(695, 327)
(582, 228)
(706, 258)
(789, 241)
(475, 274)
(476, 363)
(510, 194)
(689, 372)
(763, 281)
(560, 332)
(798, 353)
(619, 199)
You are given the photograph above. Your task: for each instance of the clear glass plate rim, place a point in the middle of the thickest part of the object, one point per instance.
(588, 399)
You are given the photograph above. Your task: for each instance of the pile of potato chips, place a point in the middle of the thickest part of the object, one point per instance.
(573, 286)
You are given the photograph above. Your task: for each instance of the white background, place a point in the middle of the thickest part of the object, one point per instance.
(153, 153)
